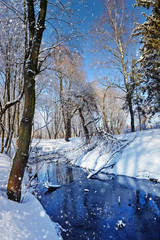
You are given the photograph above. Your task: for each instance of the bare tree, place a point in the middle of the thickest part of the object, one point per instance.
(36, 53)
(112, 34)
(36, 28)
(67, 65)
(11, 71)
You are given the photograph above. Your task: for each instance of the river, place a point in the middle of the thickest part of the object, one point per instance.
(91, 209)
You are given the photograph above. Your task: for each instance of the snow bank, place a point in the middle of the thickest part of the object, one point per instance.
(27, 220)
(139, 159)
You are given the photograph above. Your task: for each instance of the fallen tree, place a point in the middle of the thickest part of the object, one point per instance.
(119, 145)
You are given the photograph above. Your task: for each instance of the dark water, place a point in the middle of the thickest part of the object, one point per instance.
(89, 208)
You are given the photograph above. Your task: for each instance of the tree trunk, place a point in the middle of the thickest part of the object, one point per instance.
(30, 71)
(12, 130)
(67, 129)
(48, 131)
(103, 111)
(2, 138)
(21, 156)
(85, 129)
(131, 112)
(18, 119)
(139, 117)
(128, 92)
(9, 109)
(2, 123)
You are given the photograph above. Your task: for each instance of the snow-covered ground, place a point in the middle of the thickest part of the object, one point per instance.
(27, 220)
(140, 158)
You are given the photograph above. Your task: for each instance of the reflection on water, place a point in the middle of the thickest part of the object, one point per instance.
(57, 173)
(89, 208)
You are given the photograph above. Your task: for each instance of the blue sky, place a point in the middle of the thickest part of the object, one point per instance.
(90, 10)
(87, 11)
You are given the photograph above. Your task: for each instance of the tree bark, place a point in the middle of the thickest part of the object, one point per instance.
(85, 129)
(12, 130)
(48, 131)
(128, 92)
(67, 129)
(129, 100)
(2, 134)
(103, 111)
(21, 156)
(9, 109)
(30, 69)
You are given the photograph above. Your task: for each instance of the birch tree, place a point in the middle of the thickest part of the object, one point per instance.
(112, 35)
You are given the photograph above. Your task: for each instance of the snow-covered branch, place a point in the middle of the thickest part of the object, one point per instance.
(106, 165)
(11, 103)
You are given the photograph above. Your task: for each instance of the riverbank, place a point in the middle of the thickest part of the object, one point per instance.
(140, 158)
(27, 220)
(91, 208)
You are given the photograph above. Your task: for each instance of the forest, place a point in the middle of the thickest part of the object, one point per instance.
(44, 91)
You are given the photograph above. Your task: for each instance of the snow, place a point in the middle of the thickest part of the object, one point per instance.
(141, 158)
(138, 159)
(120, 224)
(50, 185)
(26, 220)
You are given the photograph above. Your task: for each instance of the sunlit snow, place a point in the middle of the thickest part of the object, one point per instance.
(28, 220)
(139, 159)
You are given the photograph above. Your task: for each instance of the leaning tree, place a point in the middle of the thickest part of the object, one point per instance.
(36, 26)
